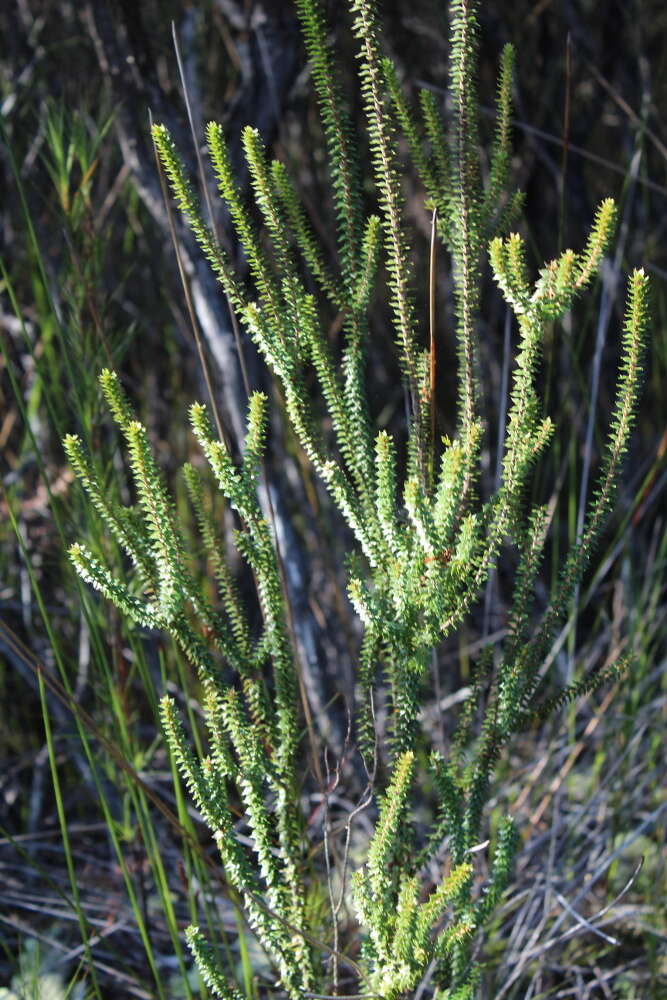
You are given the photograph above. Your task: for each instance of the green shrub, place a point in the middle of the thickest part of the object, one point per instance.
(425, 542)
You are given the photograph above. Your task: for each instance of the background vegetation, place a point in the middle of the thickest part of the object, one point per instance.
(102, 860)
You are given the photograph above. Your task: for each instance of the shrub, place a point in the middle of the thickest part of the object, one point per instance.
(425, 542)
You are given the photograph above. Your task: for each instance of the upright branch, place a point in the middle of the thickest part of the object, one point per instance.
(383, 144)
(465, 207)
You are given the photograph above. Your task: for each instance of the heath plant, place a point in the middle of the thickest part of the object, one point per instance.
(425, 541)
